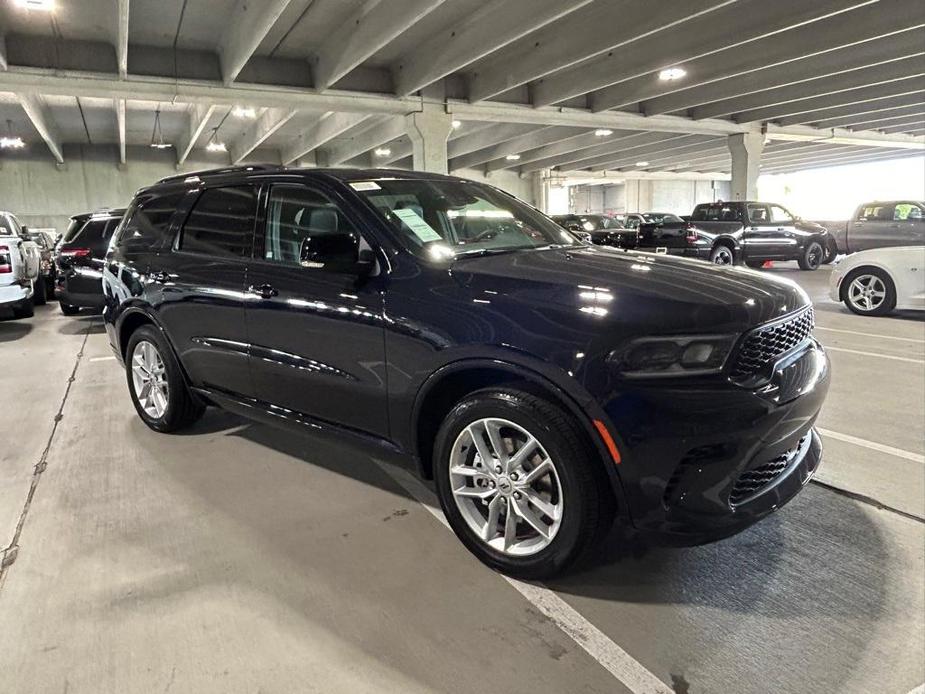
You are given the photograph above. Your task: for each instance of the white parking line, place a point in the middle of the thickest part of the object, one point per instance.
(874, 354)
(873, 445)
(102, 358)
(882, 337)
(626, 669)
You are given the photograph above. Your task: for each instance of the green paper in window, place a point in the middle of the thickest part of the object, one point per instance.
(418, 226)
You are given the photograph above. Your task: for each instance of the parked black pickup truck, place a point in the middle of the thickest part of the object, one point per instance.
(741, 232)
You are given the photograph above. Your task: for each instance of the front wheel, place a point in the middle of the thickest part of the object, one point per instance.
(722, 255)
(869, 292)
(156, 384)
(812, 256)
(831, 251)
(519, 484)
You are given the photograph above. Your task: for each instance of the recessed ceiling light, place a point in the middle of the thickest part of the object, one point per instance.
(248, 112)
(672, 73)
(512, 157)
(216, 147)
(12, 143)
(41, 5)
(642, 163)
(603, 132)
(382, 152)
(457, 124)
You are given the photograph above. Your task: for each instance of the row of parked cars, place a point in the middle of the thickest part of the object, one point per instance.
(886, 239)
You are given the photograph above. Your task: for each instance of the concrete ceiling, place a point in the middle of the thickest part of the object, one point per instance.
(828, 81)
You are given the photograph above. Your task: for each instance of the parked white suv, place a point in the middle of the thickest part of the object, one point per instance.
(20, 260)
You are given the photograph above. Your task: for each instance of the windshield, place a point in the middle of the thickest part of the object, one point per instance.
(459, 217)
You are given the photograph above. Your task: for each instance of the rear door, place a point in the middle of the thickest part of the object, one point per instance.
(314, 321)
(909, 225)
(874, 226)
(200, 292)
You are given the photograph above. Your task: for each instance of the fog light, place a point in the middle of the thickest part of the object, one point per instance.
(697, 354)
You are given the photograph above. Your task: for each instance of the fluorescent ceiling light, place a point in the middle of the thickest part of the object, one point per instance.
(512, 157)
(603, 132)
(382, 152)
(248, 112)
(457, 124)
(671, 74)
(642, 163)
(12, 143)
(216, 147)
(42, 5)
(161, 145)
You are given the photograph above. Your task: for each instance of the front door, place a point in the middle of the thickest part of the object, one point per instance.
(314, 317)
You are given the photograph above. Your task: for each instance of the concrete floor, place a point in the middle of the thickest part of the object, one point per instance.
(237, 558)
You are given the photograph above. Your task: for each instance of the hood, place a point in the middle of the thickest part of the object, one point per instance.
(642, 292)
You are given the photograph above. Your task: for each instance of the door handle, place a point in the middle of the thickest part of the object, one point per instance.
(160, 277)
(264, 291)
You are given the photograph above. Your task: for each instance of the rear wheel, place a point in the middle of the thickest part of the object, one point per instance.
(158, 389)
(39, 291)
(68, 309)
(831, 251)
(812, 256)
(26, 309)
(869, 292)
(519, 484)
(722, 255)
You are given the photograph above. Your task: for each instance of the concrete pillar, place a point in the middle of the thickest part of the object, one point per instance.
(631, 195)
(428, 131)
(745, 149)
(541, 190)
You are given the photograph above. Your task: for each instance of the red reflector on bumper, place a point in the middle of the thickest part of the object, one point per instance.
(608, 440)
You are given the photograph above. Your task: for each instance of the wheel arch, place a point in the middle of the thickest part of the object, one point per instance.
(851, 272)
(446, 386)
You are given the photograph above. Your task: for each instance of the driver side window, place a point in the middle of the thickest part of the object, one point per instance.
(758, 214)
(780, 215)
(297, 215)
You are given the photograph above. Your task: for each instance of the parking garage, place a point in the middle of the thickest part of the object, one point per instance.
(239, 556)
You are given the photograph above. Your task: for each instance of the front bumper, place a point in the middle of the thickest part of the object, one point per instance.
(705, 461)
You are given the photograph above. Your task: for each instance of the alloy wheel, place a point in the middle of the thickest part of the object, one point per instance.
(149, 379)
(722, 256)
(506, 486)
(866, 292)
(815, 255)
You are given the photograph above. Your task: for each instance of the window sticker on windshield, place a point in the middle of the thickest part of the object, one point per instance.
(365, 185)
(421, 229)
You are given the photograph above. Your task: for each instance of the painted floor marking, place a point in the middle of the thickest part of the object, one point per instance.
(626, 669)
(882, 337)
(102, 358)
(829, 348)
(873, 445)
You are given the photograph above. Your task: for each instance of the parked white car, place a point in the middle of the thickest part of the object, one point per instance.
(20, 260)
(874, 282)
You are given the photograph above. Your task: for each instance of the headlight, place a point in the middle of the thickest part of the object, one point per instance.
(673, 356)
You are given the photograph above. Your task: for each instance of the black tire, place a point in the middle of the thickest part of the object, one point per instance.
(182, 409)
(722, 255)
(26, 309)
(68, 309)
(588, 503)
(755, 264)
(831, 251)
(39, 292)
(889, 300)
(811, 257)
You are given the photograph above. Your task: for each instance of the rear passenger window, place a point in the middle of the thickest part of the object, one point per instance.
(148, 223)
(221, 223)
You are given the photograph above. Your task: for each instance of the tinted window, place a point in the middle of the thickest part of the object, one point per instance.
(906, 211)
(295, 213)
(779, 214)
(221, 223)
(715, 213)
(758, 214)
(876, 213)
(148, 222)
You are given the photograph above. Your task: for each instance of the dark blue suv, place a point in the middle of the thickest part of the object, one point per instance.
(546, 385)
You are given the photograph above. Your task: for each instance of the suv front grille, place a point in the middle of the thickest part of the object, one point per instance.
(751, 482)
(765, 344)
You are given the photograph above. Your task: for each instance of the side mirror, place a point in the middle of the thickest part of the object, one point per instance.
(337, 252)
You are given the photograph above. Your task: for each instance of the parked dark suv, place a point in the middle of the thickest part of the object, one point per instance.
(79, 259)
(544, 383)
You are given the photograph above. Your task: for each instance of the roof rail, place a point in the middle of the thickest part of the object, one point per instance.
(218, 172)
